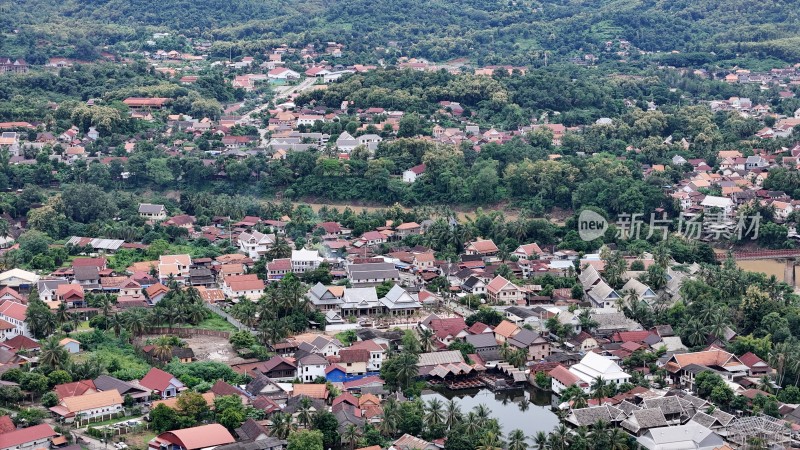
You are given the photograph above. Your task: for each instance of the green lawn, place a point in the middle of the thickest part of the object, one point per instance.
(214, 322)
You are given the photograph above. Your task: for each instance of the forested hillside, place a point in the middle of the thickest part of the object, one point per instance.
(489, 31)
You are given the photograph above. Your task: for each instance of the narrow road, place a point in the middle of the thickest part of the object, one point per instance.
(282, 92)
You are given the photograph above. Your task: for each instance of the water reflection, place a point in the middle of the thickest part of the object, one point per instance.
(525, 409)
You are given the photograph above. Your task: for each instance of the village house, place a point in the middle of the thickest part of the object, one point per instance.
(501, 291)
(162, 383)
(410, 175)
(174, 267)
(107, 404)
(255, 244)
(305, 260)
(311, 367)
(195, 438)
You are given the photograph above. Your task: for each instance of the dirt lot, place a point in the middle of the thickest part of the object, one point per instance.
(210, 348)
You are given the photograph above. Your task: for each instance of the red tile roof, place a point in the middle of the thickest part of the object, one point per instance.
(23, 436)
(448, 327)
(6, 424)
(157, 379)
(74, 389)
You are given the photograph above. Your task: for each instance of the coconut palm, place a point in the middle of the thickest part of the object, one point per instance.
(62, 314)
(471, 425)
(391, 413)
(580, 400)
(434, 413)
(304, 411)
(718, 323)
(427, 340)
(482, 414)
(136, 320)
(351, 435)
(517, 440)
(162, 349)
(618, 440)
(196, 313)
(580, 440)
(490, 441)
(452, 414)
(599, 389)
(281, 425)
(52, 355)
(540, 440)
(407, 369)
(695, 332)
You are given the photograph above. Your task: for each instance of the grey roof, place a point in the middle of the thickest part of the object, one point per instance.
(436, 358)
(83, 273)
(107, 383)
(524, 338)
(257, 385)
(692, 435)
(398, 298)
(723, 417)
(645, 418)
(522, 313)
(627, 407)
(268, 443)
(250, 430)
(668, 405)
(590, 416)
(149, 208)
(321, 341)
(360, 297)
(481, 340)
(704, 419)
(313, 360)
(366, 271)
(50, 284)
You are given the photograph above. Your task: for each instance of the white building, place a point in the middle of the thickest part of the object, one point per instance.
(310, 367)
(346, 142)
(14, 314)
(410, 175)
(713, 203)
(594, 366)
(255, 244)
(304, 260)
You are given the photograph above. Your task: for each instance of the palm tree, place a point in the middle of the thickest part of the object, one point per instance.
(434, 415)
(471, 425)
(137, 320)
(281, 425)
(452, 414)
(196, 313)
(427, 340)
(52, 355)
(718, 323)
(695, 332)
(517, 440)
(490, 441)
(518, 358)
(304, 412)
(580, 440)
(580, 400)
(618, 440)
(351, 435)
(407, 370)
(162, 349)
(391, 412)
(62, 314)
(540, 440)
(599, 389)
(482, 414)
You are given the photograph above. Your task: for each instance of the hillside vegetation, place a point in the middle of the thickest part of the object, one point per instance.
(489, 31)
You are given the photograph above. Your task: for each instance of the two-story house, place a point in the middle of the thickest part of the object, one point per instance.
(310, 367)
(255, 244)
(152, 212)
